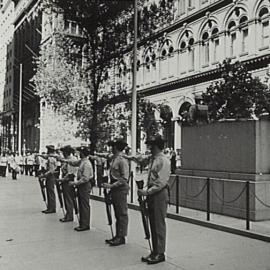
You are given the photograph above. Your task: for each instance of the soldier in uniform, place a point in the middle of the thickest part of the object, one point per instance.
(50, 179)
(84, 175)
(157, 196)
(68, 172)
(119, 188)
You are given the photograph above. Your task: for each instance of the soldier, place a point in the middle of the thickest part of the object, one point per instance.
(50, 179)
(84, 176)
(157, 196)
(69, 172)
(119, 188)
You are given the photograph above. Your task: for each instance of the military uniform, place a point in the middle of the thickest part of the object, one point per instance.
(84, 175)
(157, 200)
(69, 172)
(119, 173)
(50, 182)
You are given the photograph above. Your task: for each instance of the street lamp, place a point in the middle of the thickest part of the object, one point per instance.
(134, 88)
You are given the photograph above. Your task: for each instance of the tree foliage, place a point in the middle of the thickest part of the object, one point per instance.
(108, 31)
(237, 94)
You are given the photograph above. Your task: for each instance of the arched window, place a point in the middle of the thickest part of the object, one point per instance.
(166, 54)
(264, 25)
(232, 35)
(205, 48)
(186, 52)
(181, 7)
(243, 25)
(150, 65)
(191, 57)
(182, 56)
(216, 43)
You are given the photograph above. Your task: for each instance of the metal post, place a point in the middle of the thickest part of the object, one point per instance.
(134, 87)
(208, 198)
(131, 186)
(247, 206)
(20, 112)
(177, 194)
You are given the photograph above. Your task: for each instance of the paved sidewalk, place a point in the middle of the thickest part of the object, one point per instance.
(31, 240)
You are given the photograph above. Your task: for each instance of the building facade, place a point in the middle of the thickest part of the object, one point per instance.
(27, 38)
(177, 68)
(54, 127)
(6, 73)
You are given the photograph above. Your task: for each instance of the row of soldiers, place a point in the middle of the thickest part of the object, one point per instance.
(77, 178)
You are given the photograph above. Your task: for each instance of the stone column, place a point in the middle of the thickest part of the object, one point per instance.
(177, 135)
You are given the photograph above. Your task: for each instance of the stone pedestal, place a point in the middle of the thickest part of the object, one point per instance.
(229, 153)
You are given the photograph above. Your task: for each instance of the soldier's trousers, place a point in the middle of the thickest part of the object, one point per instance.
(68, 193)
(157, 208)
(84, 204)
(50, 182)
(120, 207)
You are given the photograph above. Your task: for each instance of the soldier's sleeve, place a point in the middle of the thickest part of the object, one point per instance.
(124, 173)
(74, 163)
(161, 172)
(87, 173)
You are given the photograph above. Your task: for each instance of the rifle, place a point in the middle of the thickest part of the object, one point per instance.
(144, 214)
(59, 193)
(75, 204)
(108, 204)
(42, 187)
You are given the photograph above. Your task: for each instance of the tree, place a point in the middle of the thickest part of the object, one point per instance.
(237, 94)
(108, 32)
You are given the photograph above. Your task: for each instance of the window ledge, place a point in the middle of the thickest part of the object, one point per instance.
(243, 54)
(215, 63)
(263, 48)
(191, 70)
(184, 72)
(205, 66)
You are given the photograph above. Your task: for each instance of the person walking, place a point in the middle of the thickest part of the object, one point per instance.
(14, 166)
(119, 188)
(157, 195)
(83, 183)
(3, 164)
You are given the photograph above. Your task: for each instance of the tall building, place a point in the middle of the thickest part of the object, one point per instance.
(27, 38)
(178, 68)
(6, 73)
(54, 127)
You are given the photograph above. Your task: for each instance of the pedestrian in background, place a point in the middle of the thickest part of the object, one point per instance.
(3, 164)
(14, 166)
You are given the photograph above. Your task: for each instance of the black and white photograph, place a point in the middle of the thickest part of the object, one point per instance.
(135, 134)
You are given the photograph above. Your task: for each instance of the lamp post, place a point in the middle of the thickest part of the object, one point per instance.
(134, 79)
(20, 112)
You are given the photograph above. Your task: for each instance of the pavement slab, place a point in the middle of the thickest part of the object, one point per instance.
(31, 240)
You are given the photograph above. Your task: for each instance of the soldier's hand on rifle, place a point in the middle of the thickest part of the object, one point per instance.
(106, 185)
(142, 192)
